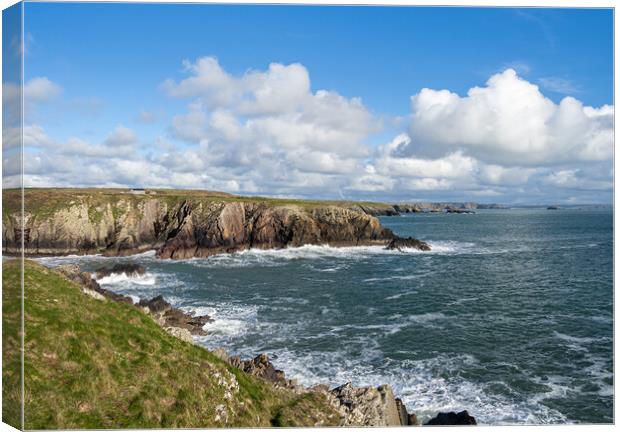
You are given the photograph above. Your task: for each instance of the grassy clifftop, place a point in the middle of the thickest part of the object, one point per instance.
(99, 364)
(43, 202)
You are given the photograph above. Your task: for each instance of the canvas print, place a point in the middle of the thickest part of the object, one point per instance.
(232, 215)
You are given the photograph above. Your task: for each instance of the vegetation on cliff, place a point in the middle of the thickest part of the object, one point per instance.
(101, 364)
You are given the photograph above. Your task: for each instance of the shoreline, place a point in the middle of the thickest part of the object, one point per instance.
(385, 244)
(259, 364)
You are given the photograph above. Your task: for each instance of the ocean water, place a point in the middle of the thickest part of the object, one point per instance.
(510, 315)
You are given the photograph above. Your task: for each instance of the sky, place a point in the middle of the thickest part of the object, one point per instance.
(384, 103)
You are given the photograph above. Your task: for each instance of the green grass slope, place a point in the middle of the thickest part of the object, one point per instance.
(96, 364)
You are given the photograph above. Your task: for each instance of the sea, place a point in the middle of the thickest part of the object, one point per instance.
(509, 316)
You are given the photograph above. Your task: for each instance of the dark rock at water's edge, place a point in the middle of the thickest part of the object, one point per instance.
(459, 210)
(452, 419)
(261, 367)
(357, 406)
(130, 269)
(400, 243)
(169, 316)
(90, 285)
(156, 304)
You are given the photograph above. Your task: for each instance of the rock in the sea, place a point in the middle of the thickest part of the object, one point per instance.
(400, 243)
(130, 269)
(452, 419)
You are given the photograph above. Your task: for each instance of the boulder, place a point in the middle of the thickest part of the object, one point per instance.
(452, 419)
(400, 243)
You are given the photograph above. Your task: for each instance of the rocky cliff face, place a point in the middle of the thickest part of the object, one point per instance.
(183, 228)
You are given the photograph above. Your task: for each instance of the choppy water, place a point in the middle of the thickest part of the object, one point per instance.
(510, 315)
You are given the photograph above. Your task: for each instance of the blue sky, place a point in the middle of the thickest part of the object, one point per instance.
(105, 65)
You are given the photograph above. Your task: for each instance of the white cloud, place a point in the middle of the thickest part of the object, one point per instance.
(576, 179)
(36, 91)
(499, 175)
(269, 132)
(40, 89)
(510, 122)
(121, 136)
(559, 85)
(266, 120)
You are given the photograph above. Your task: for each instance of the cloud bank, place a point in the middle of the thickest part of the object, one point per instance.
(269, 132)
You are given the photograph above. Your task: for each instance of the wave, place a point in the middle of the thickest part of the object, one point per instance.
(422, 385)
(119, 278)
(578, 340)
(54, 261)
(229, 321)
(277, 257)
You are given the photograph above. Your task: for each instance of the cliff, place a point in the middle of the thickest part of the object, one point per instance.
(95, 362)
(179, 224)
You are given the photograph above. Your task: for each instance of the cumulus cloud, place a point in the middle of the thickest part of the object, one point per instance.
(121, 136)
(510, 122)
(266, 120)
(36, 91)
(269, 132)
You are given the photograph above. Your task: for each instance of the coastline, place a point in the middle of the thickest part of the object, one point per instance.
(358, 406)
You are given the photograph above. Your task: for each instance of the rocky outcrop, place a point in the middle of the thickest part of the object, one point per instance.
(170, 317)
(182, 228)
(400, 243)
(261, 367)
(368, 406)
(89, 284)
(173, 320)
(129, 269)
(232, 227)
(376, 210)
(460, 211)
(357, 406)
(452, 419)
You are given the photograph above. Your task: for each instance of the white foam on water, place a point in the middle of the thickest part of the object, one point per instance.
(229, 320)
(119, 278)
(54, 261)
(399, 295)
(579, 340)
(275, 257)
(419, 383)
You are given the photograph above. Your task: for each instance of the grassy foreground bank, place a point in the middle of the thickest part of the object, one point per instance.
(99, 364)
